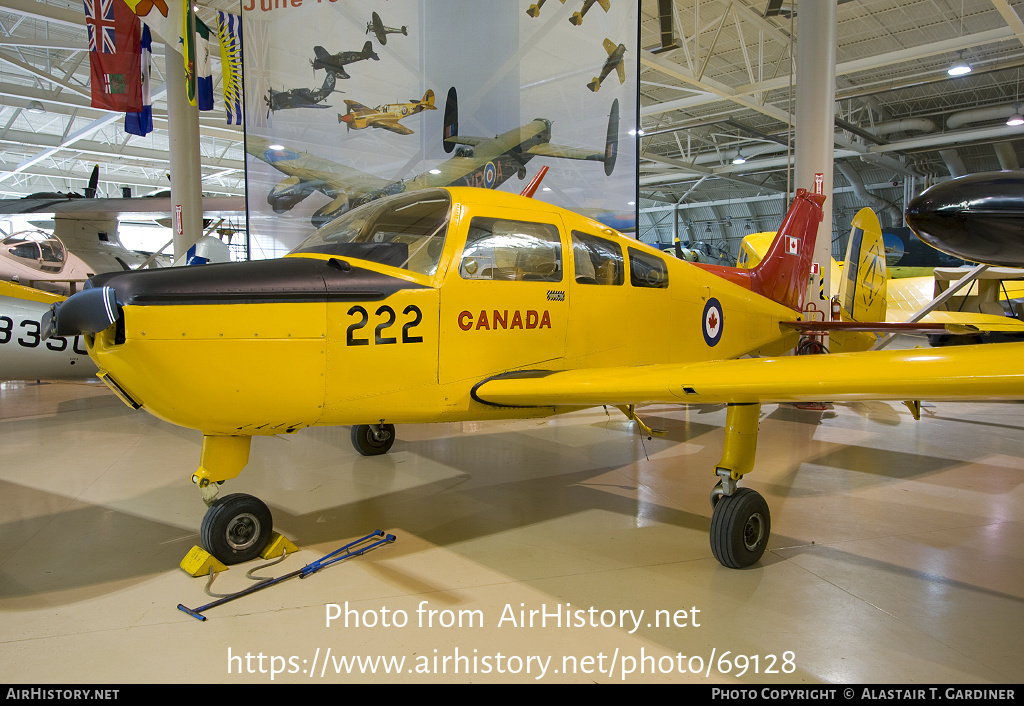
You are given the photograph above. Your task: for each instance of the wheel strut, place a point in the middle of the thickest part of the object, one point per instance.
(740, 521)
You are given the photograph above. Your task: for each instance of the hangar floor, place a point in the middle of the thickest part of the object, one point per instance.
(897, 550)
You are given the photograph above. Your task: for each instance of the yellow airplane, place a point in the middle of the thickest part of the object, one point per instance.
(454, 304)
(615, 62)
(385, 116)
(577, 17)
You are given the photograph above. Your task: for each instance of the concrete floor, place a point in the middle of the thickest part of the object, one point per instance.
(897, 550)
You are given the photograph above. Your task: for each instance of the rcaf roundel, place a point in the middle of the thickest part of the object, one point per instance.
(712, 325)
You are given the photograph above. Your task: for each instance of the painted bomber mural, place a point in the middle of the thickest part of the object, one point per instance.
(350, 100)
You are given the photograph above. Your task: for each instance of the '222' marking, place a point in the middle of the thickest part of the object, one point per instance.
(33, 336)
(388, 316)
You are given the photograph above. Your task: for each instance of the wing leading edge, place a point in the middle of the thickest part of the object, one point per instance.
(980, 372)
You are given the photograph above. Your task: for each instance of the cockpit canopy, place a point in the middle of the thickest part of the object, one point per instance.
(406, 231)
(35, 249)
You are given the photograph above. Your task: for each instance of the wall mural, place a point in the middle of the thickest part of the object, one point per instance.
(350, 100)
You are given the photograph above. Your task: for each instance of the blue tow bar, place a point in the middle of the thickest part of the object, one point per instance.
(350, 550)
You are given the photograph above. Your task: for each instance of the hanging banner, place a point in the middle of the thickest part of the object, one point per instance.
(355, 99)
(115, 55)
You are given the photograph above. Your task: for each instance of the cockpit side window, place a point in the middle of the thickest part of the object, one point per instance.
(597, 261)
(647, 270)
(25, 251)
(500, 249)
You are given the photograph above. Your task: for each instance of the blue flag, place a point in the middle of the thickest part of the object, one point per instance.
(141, 123)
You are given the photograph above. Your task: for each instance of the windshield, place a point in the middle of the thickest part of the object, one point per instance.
(46, 251)
(405, 231)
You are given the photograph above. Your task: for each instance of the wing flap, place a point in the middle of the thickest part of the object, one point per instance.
(988, 371)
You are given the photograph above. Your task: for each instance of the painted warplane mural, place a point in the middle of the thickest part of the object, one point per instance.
(385, 116)
(613, 62)
(336, 62)
(381, 32)
(577, 17)
(301, 97)
(477, 161)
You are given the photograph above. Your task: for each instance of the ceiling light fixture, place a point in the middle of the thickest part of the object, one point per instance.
(1016, 118)
(739, 158)
(960, 68)
(35, 107)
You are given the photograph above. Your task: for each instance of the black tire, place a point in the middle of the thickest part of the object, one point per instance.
(236, 528)
(368, 445)
(740, 527)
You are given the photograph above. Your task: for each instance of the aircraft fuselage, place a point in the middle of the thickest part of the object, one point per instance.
(324, 339)
(979, 217)
(25, 354)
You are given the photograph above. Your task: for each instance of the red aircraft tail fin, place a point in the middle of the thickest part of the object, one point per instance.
(783, 273)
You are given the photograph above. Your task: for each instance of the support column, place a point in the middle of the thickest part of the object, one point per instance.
(815, 120)
(186, 177)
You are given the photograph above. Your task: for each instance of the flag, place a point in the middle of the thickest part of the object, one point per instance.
(141, 123)
(204, 70)
(229, 30)
(188, 49)
(114, 55)
(163, 17)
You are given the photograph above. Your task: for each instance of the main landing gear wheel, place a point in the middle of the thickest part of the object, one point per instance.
(740, 525)
(236, 528)
(373, 439)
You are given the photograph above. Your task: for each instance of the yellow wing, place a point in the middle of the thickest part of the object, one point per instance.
(987, 371)
(393, 125)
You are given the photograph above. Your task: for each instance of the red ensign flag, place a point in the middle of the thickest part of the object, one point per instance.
(114, 55)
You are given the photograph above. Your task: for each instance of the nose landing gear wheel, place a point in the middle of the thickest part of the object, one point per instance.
(740, 526)
(236, 528)
(369, 442)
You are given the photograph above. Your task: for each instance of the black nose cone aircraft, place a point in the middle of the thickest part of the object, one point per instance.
(978, 217)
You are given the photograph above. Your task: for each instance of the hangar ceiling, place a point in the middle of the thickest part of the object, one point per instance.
(902, 123)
